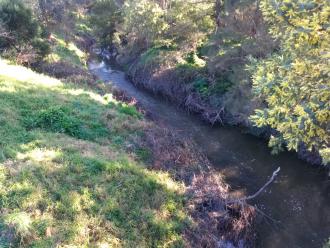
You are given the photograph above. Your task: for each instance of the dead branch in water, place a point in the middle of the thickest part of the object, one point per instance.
(244, 199)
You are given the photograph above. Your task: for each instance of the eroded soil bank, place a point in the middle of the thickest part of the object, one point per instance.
(246, 163)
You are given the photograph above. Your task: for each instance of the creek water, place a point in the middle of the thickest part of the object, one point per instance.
(296, 206)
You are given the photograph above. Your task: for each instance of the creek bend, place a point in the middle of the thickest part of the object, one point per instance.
(297, 204)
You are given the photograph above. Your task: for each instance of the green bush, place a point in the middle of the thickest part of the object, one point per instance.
(222, 85)
(128, 110)
(42, 47)
(21, 29)
(295, 81)
(18, 21)
(202, 86)
(59, 119)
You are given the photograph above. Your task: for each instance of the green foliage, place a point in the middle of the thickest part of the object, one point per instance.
(41, 46)
(129, 110)
(139, 25)
(295, 81)
(222, 84)
(60, 119)
(18, 20)
(144, 21)
(104, 16)
(22, 29)
(55, 119)
(190, 21)
(201, 85)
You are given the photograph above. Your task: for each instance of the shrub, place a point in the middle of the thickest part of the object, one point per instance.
(22, 30)
(60, 119)
(202, 86)
(295, 81)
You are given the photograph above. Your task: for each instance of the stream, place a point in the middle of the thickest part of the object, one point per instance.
(296, 205)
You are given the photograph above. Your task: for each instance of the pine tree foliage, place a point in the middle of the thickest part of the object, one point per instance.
(295, 82)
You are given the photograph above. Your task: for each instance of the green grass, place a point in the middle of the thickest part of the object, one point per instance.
(67, 51)
(66, 179)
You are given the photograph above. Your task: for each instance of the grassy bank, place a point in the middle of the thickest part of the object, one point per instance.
(79, 168)
(66, 178)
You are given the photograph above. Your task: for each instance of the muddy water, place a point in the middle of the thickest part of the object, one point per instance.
(296, 206)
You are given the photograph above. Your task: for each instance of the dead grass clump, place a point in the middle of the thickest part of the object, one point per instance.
(216, 223)
(175, 154)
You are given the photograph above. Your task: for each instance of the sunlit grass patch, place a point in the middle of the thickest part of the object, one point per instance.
(39, 155)
(67, 51)
(87, 200)
(10, 73)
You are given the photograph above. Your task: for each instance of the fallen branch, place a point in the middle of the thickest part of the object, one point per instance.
(275, 173)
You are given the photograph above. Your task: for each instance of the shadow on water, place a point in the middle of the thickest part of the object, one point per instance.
(296, 207)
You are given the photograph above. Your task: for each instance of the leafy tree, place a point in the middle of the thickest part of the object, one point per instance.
(105, 14)
(17, 20)
(295, 82)
(21, 29)
(190, 21)
(147, 23)
(144, 21)
(51, 11)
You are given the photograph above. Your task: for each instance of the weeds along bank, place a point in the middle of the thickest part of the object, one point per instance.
(205, 74)
(222, 60)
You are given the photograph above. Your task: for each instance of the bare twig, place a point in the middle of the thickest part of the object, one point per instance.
(244, 199)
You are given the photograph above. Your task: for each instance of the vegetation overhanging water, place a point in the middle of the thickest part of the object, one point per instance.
(296, 206)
